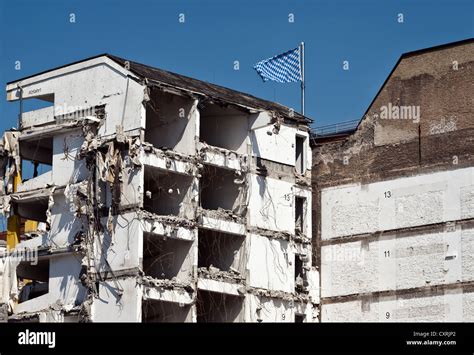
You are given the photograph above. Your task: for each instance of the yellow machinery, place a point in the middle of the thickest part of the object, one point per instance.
(14, 222)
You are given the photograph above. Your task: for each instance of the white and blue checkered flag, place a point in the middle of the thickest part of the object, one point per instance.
(283, 68)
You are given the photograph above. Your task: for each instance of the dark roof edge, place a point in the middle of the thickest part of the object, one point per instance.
(437, 47)
(117, 60)
(298, 116)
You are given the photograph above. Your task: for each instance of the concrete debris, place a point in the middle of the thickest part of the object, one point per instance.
(299, 282)
(50, 205)
(134, 146)
(3, 313)
(10, 161)
(110, 170)
(229, 156)
(25, 317)
(85, 312)
(167, 220)
(303, 180)
(9, 286)
(221, 213)
(169, 154)
(165, 283)
(286, 296)
(5, 205)
(272, 234)
(75, 195)
(215, 273)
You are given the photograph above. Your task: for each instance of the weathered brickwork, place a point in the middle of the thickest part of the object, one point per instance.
(393, 202)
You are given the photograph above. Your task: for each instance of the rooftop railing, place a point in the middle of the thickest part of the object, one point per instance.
(336, 128)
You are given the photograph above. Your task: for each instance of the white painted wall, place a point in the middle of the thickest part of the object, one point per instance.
(64, 285)
(271, 204)
(265, 309)
(123, 250)
(120, 308)
(271, 263)
(391, 263)
(398, 203)
(36, 117)
(448, 306)
(278, 147)
(64, 225)
(132, 188)
(67, 167)
(4, 290)
(39, 182)
(94, 82)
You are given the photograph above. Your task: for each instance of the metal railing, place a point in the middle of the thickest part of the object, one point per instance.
(335, 128)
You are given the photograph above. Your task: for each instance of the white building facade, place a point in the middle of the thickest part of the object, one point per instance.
(164, 199)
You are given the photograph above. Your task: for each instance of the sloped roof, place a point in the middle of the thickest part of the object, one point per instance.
(331, 136)
(213, 91)
(216, 93)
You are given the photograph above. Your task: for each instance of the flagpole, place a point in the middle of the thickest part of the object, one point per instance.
(302, 76)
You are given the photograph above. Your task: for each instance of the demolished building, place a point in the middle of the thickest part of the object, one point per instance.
(164, 198)
(393, 204)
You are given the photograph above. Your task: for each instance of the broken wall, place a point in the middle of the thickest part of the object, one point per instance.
(171, 122)
(223, 127)
(169, 193)
(168, 258)
(99, 81)
(220, 191)
(218, 307)
(64, 286)
(129, 235)
(272, 140)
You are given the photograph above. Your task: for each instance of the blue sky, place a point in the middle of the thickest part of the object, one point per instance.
(216, 33)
